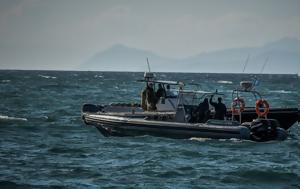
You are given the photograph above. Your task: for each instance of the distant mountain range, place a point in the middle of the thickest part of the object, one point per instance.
(282, 56)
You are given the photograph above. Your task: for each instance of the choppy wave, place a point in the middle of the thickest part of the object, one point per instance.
(281, 91)
(200, 139)
(47, 77)
(5, 81)
(72, 155)
(7, 118)
(201, 91)
(224, 82)
(98, 76)
(14, 185)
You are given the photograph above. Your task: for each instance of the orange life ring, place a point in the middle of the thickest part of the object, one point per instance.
(240, 102)
(265, 104)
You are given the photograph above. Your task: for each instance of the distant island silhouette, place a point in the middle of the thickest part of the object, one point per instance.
(282, 56)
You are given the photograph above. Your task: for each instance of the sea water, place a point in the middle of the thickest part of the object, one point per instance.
(45, 144)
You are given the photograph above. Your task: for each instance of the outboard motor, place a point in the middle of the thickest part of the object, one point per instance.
(266, 129)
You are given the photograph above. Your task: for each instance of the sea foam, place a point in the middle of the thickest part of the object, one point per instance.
(7, 118)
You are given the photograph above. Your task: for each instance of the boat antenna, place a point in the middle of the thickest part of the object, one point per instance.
(148, 64)
(256, 81)
(264, 65)
(246, 63)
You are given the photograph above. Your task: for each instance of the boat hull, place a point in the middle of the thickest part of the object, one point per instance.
(166, 124)
(117, 126)
(286, 117)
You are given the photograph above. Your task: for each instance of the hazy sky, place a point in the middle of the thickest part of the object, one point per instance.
(61, 34)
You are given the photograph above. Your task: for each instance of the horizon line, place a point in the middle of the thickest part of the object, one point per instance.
(62, 70)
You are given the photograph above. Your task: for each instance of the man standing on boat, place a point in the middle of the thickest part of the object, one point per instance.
(203, 111)
(220, 108)
(143, 98)
(148, 100)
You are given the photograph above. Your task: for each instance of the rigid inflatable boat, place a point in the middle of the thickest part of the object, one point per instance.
(172, 125)
(174, 117)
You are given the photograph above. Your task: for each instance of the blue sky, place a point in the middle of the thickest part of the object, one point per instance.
(61, 34)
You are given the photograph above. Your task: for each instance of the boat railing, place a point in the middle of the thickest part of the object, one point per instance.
(237, 92)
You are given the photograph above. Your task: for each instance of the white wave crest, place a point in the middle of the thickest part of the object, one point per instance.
(200, 139)
(282, 91)
(47, 76)
(98, 76)
(7, 118)
(5, 81)
(224, 82)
